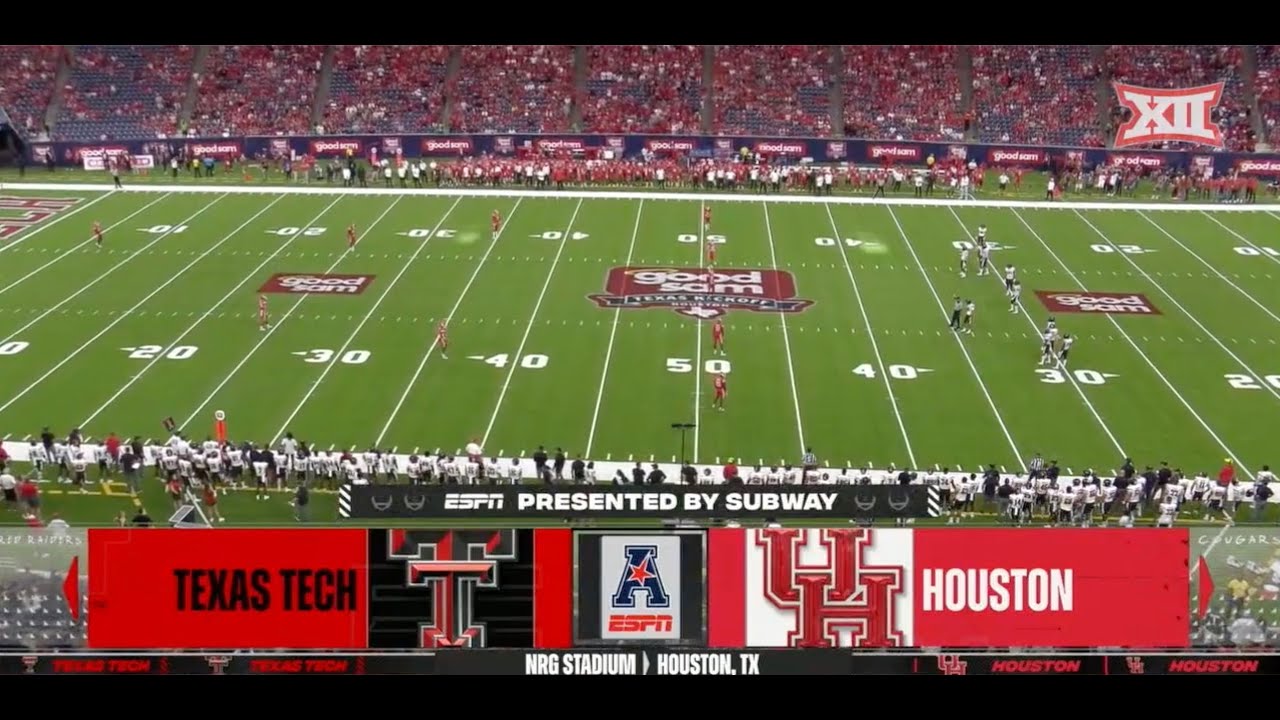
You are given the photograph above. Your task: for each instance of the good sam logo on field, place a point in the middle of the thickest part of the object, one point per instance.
(1075, 301)
(700, 293)
(317, 283)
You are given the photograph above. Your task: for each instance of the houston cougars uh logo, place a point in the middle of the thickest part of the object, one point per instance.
(1169, 115)
(844, 593)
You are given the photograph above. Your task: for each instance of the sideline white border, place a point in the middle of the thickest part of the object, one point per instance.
(651, 195)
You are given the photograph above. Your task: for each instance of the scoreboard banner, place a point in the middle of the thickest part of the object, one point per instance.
(640, 661)
(832, 587)
(851, 502)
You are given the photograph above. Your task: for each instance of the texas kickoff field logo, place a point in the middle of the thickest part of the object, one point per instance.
(700, 293)
(316, 283)
(1160, 115)
(1075, 301)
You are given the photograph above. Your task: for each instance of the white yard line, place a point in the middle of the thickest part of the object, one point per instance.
(475, 273)
(275, 325)
(1213, 269)
(1243, 239)
(1160, 286)
(633, 195)
(871, 333)
(697, 342)
(115, 267)
(58, 257)
(350, 338)
(205, 315)
(1017, 454)
(786, 335)
(119, 319)
(45, 226)
(1070, 377)
(1138, 349)
(613, 332)
(515, 359)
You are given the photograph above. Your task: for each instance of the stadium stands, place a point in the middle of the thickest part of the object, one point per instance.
(514, 88)
(1267, 87)
(772, 90)
(643, 88)
(387, 88)
(27, 73)
(907, 92)
(257, 89)
(124, 91)
(1182, 66)
(1041, 94)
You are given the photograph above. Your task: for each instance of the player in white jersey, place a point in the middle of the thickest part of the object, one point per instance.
(790, 476)
(1090, 501)
(39, 458)
(1217, 494)
(756, 476)
(413, 470)
(514, 473)
(389, 467)
(774, 476)
(1200, 488)
(61, 456)
(78, 465)
(1017, 503)
(235, 466)
(982, 234)
(591, 474)
(1015, 297)
(213, 462)
(964, 261)
(1066, 506)
(969, 307)
(351, 473)
(984, 258)
(370, 458)
(1010, 274)
(1065, 351)
(1168, 513)
(1046, 348)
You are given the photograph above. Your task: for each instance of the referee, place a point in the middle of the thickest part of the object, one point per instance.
(809, 464)
(956, 307)
(1035, 466)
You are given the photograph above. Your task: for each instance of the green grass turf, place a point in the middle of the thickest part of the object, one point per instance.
(1161, 388)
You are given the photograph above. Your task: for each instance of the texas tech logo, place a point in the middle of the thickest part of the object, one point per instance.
(701, 293)
(640, 577)
(1169, 115)
(844, 593)
(453, 564)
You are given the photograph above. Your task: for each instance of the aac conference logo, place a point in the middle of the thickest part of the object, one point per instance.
(1164, 115)
(643, 602)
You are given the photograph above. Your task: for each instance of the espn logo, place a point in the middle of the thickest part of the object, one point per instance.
(473, 501)
(641, 623)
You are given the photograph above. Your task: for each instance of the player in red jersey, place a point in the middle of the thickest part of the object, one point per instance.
(442, 340)
(263, 317)
(706, 217)
(711, 255)
(717, 337)
(97, 233)
(722, 389)
(351, 236)
(496, 221)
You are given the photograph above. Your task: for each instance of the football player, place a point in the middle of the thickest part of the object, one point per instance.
(1015, 296)
(1065, 351)
(964, 261)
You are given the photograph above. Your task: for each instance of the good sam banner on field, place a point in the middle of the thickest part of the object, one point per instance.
(702, 502)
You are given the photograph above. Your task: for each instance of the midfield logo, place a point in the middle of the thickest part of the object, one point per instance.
(316, 283)
(1169, 115)
(846, 592)
(701, 293)
(453, 563)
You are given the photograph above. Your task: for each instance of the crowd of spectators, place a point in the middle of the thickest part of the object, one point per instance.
(1267, 87)
(902, 92)
(772, 90)
(1176, 66)
(257, 90)
(125, 91)
(514, 88)
(1036, 94)
(387, 88)
(27, 73)
(643, 89)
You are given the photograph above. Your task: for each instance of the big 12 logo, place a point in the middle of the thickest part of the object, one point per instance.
(453, 563)
(1161, 115)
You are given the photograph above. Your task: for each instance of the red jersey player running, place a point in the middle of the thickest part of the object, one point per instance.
(351, 236)
(711, 255)
(706, 217)
(717, 337)
(263, 318)
(97, 233)
(722, 389)
(442, 340)
(496, 221)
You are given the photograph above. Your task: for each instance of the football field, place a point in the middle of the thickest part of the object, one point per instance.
(587, 325)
